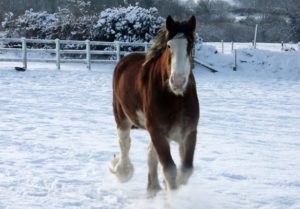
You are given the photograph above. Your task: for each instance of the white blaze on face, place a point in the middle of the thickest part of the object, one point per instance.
(180, 64)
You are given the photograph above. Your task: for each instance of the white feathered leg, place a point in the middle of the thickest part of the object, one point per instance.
(121, 166)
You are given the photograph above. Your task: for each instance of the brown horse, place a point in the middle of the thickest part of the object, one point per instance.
(157, 92)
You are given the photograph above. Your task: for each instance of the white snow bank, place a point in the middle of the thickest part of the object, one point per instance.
(252, 62)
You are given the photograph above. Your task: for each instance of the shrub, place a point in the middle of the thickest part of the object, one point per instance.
(130, 24)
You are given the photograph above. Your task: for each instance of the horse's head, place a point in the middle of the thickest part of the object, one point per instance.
(180, 37)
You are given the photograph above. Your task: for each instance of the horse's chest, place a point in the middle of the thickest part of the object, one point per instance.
(175, 131)
(176, 134)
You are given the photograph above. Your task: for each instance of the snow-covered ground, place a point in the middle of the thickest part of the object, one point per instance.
(262, 46)
(57, 137)
(252, 62)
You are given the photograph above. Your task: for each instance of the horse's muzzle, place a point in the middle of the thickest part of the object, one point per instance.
(178, 82)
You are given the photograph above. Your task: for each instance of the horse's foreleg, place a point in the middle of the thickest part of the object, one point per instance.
(162, 147)
(153, 183)
(122, 166)
(186, 149)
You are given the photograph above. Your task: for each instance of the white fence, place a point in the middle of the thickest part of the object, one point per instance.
(229, 47)
(115, 49)
(24, 50)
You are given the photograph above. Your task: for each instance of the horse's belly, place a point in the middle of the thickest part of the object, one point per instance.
(136, 118)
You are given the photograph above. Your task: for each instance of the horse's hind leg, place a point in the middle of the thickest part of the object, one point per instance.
(187, 148)
(121, 166)
(153, 184)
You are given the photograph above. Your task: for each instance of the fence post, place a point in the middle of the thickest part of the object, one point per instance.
(255, 36)
(282, 46)
(232, 47)
(118, 50)
(235, 60)
(146, 47)
(299, 46)
(24, 52)
(88, 54)
(222, 46)
(57, 51)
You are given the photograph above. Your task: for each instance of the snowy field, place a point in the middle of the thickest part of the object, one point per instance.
(57, 137)
(252, 62)
(262, 46)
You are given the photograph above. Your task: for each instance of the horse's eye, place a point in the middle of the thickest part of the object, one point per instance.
(169, 46)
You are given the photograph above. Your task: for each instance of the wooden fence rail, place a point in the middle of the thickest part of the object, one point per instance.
(87, 50)
(58, 51)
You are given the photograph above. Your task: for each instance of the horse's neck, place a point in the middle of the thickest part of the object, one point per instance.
(155, 71)
(158, 75)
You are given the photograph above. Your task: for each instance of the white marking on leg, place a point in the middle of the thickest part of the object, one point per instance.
(141, 118)
(122, 167)
(181, 151)
(125, 142)
(170, 176)
(183, 176)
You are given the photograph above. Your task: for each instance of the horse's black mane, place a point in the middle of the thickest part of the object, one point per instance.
(159, 45)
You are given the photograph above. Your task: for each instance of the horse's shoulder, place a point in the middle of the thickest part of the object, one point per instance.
(130, 62)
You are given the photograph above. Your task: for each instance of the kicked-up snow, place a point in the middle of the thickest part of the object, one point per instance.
(57, 137)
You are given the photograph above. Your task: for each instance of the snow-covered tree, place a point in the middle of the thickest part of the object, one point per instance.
(293, 9)
(62, 25)
(79, 7)
(31, 24)
(133, 24)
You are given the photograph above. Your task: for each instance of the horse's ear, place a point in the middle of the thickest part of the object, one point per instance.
(170, 23)
(192, 23)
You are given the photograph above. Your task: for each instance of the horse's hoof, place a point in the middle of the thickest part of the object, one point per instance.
(169, 187)
(153, 190)
(123, 169)
(183, 176)
(113, 163)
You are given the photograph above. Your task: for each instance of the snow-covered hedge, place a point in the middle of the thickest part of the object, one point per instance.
(31, 24)
(131, 23)
(62, 25)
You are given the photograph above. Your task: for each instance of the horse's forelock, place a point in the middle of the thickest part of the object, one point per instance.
(164, 35)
